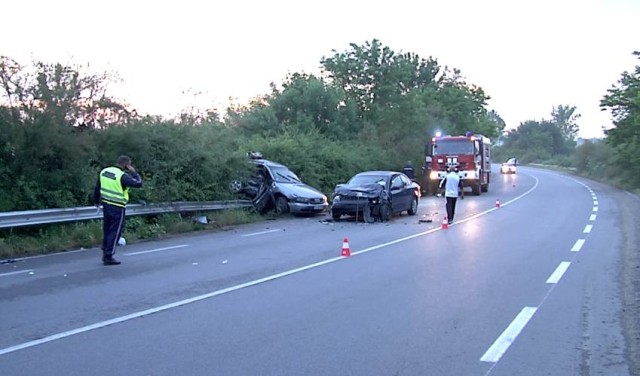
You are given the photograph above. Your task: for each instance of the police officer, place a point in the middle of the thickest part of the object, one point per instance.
(112, 190)
(452, 185)
(409, 171)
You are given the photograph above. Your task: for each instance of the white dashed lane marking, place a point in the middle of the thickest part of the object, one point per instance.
(156, 250)
(559, 272)
(578, 245)
(507, 337)
(14, 273)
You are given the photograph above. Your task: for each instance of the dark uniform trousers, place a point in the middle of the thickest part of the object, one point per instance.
(112, 225)
(451, 207)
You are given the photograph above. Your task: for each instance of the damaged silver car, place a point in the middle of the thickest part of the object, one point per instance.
(275, 187)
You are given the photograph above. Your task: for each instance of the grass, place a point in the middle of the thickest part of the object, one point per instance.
(21, 242)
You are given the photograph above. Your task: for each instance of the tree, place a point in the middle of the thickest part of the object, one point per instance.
(373, 75)
(565, 118)
(60, 94)
(308, 101)
(623, 100)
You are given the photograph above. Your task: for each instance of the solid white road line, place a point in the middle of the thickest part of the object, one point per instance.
(14, 273)
(587, 229)
(507, 337)
(578, 245)
(559, 272)
(155, 250)
(262, 232)
(593, 217)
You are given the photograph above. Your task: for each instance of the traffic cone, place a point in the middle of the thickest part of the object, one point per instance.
(497, 203)
(345, 248)
(445, 223)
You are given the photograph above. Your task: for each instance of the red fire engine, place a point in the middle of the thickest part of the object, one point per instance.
(471, 154)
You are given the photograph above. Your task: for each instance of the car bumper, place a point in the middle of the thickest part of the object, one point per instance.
(349, 207)
(300, 208)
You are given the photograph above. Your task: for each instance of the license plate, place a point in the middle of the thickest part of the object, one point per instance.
(319, 207)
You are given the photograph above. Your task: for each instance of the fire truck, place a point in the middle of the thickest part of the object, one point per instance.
(471, 154)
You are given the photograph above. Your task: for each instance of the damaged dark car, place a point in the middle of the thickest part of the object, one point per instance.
(375, 195)
(275, 187)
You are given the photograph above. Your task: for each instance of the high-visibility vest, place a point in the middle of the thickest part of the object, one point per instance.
(111, 191)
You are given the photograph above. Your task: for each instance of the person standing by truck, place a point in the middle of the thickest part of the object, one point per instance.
(452, 189)
(409, 171)
(112, 190)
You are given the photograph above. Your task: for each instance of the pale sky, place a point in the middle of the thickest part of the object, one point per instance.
(527, 55)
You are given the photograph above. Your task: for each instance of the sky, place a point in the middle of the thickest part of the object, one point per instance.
(528, 56)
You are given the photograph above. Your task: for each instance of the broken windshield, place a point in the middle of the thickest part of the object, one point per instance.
(366, 179)
(284, 175)
(453, 147)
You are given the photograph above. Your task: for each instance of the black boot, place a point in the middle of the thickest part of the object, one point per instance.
(109, 260)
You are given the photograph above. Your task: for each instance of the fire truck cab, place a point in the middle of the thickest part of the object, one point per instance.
(471, 154)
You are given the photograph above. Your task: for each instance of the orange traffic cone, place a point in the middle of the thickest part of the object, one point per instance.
(497, 203)
(445, 223)
(345, 248)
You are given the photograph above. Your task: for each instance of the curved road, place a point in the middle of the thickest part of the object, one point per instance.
(542, 285)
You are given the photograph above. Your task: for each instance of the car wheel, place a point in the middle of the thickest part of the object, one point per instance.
(336, 216)
(476, 188)
(282, 205)
(413, 210)
(235, 186)
(385, 212)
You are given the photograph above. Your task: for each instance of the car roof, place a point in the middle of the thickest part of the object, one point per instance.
(266, 162)
(378, 173)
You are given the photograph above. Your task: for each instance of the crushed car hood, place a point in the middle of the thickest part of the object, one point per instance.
(362, 190)
(298, 190)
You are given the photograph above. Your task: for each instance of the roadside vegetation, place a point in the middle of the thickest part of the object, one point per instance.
(369, 108)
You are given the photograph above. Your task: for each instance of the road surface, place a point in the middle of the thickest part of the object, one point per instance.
(541, 285)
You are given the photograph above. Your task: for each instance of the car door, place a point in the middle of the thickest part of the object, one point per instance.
(263, 197)
(399, 199)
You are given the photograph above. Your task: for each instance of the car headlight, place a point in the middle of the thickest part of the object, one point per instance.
(471, 174)
(336, 198)
(433, 175)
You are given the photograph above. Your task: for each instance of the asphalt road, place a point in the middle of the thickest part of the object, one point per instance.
(538, 286)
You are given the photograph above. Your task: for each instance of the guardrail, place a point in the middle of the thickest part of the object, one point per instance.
(47, 216)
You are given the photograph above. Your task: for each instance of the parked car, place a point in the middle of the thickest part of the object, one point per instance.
(509, 167)
(275, 186)
(375, 195)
